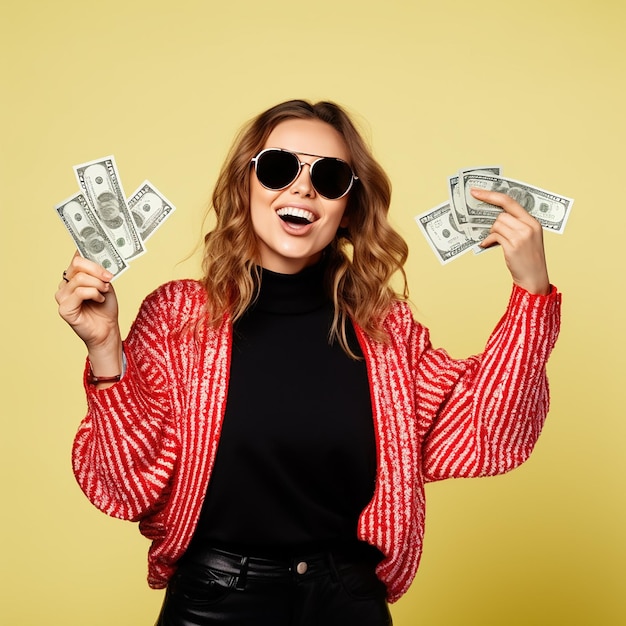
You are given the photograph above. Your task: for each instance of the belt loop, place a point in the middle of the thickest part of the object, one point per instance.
(333, 568)
(243, 573)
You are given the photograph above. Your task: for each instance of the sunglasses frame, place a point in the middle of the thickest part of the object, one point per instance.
(301, 164)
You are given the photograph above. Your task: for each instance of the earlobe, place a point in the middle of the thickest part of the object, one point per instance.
(345, 220)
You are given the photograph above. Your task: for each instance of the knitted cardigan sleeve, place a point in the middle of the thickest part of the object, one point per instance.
(482, 416)
(127, 446)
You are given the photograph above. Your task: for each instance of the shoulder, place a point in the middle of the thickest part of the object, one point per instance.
(185, 298)
(178, 289)
(401, 327)
(399, 319)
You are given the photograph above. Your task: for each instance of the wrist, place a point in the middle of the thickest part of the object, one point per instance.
(536, 289)
(106, 361)
(92, 379)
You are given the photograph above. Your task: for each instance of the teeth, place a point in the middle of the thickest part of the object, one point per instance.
(301, 214)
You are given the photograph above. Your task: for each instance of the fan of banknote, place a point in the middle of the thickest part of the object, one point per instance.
(107, 226)
(462, 222)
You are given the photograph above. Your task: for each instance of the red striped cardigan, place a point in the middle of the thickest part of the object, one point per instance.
(147, 446)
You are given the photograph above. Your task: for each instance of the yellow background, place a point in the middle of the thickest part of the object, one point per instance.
(534, 85)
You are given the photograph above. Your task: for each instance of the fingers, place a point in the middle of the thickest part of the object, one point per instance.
(514, 231)
(87, 302)
(71, 297)
(82, 281)
(82, 272)
(514, 224)
(502, 200)
(521, 238)
(80, 264)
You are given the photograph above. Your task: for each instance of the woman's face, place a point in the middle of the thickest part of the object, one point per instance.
(287, 244)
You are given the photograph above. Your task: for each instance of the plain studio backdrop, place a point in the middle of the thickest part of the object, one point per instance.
(537, 86)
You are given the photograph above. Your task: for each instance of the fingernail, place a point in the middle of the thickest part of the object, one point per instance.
(107, 276)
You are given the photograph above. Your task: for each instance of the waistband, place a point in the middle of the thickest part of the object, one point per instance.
(242, 567)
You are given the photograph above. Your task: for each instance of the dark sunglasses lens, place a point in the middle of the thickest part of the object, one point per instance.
(276, 169)
(331, 177)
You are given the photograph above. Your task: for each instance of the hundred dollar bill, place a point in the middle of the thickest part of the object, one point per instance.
(444, 236)
(457, 199)
(90, 238)
(100, 182)
(149, 209)
(549, 209)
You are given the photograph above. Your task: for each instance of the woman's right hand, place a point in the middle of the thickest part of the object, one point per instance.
(87, 302)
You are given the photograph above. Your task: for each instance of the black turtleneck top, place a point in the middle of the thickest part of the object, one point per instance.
(296, 462)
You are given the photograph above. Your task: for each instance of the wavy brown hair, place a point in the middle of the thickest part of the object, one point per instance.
(360, 261)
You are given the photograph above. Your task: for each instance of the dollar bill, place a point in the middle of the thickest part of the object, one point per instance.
(549, 209)
(458, 202)
(149, 208)
(443, 234)
(89, 236)
(101, 185)
(451, 228)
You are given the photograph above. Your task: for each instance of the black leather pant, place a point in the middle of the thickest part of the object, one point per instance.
(326, 589)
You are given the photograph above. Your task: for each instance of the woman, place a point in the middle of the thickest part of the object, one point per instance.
(271, 427)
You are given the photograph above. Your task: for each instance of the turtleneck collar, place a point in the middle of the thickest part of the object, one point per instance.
(292, 293)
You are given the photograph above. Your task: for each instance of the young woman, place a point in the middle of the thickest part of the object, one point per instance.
(271, 427)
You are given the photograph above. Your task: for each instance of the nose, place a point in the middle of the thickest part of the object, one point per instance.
(303, 184)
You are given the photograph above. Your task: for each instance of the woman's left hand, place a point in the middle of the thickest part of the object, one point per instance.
(521, 238)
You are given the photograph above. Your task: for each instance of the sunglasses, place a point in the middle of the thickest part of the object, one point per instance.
(276, 169)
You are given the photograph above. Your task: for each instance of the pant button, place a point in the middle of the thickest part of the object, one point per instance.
(302, 567)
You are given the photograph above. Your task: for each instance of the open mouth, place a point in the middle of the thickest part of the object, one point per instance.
(293, 215)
